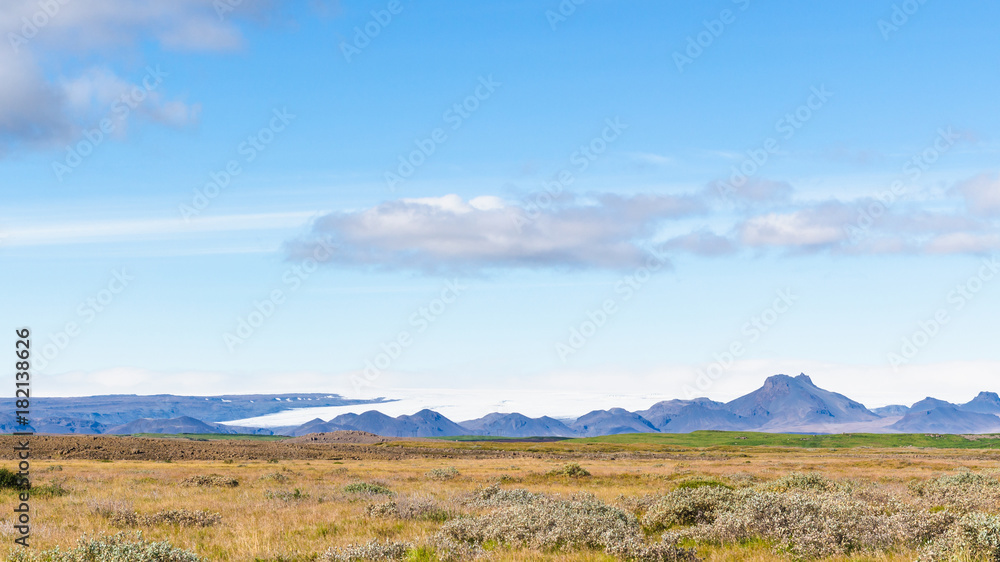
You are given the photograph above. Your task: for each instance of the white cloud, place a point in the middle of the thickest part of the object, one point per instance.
(964, 243)
(982, 194)
(870, 226)
(42, 106)
(760, 190)
(451, 233)
(30, 107)
(109, 24)
(702, 242)
(818, 226)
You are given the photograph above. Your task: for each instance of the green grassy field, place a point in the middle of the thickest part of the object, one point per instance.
(695, 439)
(750, 439)
(212, 436)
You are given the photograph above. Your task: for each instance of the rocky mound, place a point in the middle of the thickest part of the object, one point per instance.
(343, 436)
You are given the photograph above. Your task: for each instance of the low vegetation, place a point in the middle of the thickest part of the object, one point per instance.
(443, 473)
(711, 504)
(9, 480)
(116, 548)
(368, 488)
(211, 480)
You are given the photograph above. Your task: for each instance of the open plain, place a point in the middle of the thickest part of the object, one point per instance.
(596, 499)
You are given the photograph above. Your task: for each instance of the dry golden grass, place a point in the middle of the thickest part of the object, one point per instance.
(290, 526)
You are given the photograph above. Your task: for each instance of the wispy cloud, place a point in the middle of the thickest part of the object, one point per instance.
(88, 232)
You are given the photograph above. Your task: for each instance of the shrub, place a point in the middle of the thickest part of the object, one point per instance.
(183, 518)
(368, 489)
(50, 490)
(274, 477)
(285, 495)
(121, 514)
(522, 519)
(637, 504)
(211, 480)
(814, 525)
(702, 482)
(572, 470)
(810, 481)
(495, 496)
(975, 536)
(123, 547)
(966, 491)
(371, 551)
(10, 480)
(443, 473)
(445, 549)
(664, 551)
(689, 506)
(411, 507)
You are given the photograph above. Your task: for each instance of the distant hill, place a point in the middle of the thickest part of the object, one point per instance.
(314, 426)
(929, 404)
(424, 423)
(984, 403)
(891, 410)
(182, 424)
(611, 422)
(786, 403)
(695, 417)
(517, 425)
(782, 404)
(661, 413)
(98, 414)
(946, 419)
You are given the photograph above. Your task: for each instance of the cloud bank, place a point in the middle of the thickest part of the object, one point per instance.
(609, 231)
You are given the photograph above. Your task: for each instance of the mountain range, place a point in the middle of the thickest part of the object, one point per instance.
(783, 404)
(113, 413)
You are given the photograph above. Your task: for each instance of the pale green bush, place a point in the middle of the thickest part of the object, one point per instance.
(122, 547)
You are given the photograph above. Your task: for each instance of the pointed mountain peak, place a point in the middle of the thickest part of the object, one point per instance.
(804, 378)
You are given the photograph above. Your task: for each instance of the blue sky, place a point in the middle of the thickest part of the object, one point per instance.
(556, 152)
